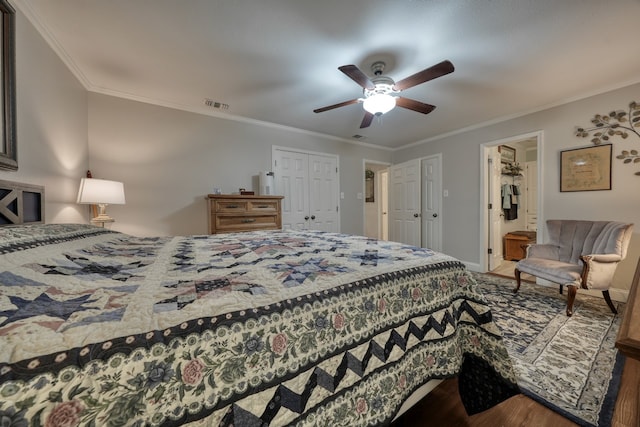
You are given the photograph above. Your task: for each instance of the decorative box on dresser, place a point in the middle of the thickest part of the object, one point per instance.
(231, 213)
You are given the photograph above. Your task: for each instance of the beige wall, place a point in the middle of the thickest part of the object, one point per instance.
(169, 160)
(461, 152)
(52, 125)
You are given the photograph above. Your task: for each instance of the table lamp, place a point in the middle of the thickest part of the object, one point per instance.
(101, 192)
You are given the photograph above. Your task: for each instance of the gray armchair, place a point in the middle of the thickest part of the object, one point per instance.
(579, 254)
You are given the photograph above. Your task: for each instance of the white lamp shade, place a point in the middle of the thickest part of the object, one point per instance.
(101, 191)
(379, 103)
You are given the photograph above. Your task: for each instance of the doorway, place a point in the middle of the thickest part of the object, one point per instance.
(511, 201)
(376, 200)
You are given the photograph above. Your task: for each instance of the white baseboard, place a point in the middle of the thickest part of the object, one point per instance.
(473, 267)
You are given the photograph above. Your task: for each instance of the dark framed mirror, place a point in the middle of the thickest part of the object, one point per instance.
(8, 145)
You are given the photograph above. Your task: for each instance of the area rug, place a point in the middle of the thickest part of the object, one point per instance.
(569, 364)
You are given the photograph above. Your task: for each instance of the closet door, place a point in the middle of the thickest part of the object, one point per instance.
(431, 210)
(309, 184)
(292, 181)
(323, 193)
(405, 205)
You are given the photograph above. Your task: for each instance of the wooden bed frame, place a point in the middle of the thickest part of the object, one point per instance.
(21, 203)
(628, 340)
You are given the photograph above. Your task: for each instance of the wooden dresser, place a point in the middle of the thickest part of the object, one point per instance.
(230, 213)
(515, 244)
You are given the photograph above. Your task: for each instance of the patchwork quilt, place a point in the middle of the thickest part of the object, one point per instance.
(99, 328)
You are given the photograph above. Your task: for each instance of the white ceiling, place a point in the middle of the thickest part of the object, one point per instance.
(275, 61)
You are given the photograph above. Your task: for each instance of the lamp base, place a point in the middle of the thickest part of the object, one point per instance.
(102, 219)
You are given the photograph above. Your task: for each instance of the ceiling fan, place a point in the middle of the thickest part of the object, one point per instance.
(378, 90)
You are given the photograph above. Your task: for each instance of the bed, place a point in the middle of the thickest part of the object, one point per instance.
(263, 328)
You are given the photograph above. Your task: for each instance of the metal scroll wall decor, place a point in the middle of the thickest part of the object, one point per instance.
(616, 123)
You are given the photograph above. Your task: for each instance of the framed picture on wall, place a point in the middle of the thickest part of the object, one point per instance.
(507, 154)
(586, 169)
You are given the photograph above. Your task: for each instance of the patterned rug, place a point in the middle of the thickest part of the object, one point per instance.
(569, 364)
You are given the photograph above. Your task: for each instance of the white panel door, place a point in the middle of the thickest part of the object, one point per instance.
(431, 203)
(531, 169)
(495, 209)
(309, 183)
(404, 197)
(291, 171)
(384, 205)
(323, 193)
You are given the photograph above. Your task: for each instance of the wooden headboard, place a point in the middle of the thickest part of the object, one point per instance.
(21, 203)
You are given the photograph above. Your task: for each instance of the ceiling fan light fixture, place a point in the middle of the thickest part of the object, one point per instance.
(379, 103)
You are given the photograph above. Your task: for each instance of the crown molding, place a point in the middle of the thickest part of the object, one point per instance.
(25, 7)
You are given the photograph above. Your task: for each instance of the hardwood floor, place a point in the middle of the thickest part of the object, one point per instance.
(507, 268)
(443, 408)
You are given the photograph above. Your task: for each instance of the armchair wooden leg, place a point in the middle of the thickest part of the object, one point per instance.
(571, 297)
(607, 298)
(517, 273)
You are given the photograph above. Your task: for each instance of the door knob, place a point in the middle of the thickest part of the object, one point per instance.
(306, 218)
(313, 217)
(416, 215)
(435, 215)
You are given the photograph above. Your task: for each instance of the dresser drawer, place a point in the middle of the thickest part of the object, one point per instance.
(231, 206)
(263, 206)
(228, 224)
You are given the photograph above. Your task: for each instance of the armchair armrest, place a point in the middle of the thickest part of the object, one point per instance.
(601, 258)
(598, 270)
(545, 251)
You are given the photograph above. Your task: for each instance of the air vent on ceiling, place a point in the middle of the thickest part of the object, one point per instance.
(215, 104)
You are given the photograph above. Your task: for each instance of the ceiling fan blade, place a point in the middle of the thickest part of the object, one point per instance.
(331, 107)
(366, 121)
(357, 76)
(438, 70)
(414, 105)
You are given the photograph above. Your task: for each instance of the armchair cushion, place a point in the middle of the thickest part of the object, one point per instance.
(552, 270)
